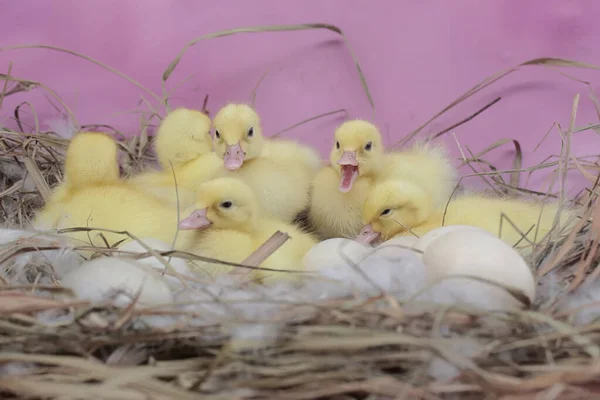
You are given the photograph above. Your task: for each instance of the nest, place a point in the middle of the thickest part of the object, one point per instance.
(348, 348)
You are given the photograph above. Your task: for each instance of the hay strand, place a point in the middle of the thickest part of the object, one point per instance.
(274, 28)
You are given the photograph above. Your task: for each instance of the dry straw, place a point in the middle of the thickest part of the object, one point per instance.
(348, 349)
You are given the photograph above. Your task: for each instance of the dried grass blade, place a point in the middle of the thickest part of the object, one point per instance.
(87, 58)
(382, 386)
(266, 249)
(32, 84)
(592, 250)
(38, 178)
(261, 254)
(274, 28)
(517, 162)
(5, 86)
(24, 303)
(58, 390)
(590, 347)
(310, 120)
(567, 246)
(583, 171)
(545, 61)
(464, 121)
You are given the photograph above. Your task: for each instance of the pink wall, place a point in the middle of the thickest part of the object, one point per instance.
(417, 56)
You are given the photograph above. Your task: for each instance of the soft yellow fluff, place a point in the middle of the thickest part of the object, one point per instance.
(339, 192)
(278, 171)
(184, 149)
(229, 227)
(90, 160)
(395, 207)
(182, 136)
(95, 197)
(119, 207)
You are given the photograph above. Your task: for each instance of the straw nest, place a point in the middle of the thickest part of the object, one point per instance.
(349, 348)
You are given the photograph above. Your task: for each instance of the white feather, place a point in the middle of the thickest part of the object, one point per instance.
(63, 126)
(442, 370)
(61, 260)
(118, 280)
(13, 369)
(584, 304)
(178, 264)
(16, 172)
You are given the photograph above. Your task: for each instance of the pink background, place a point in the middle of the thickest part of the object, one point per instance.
(417, 55)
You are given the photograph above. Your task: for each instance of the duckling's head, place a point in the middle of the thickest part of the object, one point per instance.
(222, 203)
(238, 135)
(183, 136)
(357, 151)
(393, 207)
(91, 159)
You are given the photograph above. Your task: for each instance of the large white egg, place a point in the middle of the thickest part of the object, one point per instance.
(424, 241)
(178, 264)
(476, 252)
(393, 251)
(395, 267)
(331, 253)
(400, 242)
(99, 279)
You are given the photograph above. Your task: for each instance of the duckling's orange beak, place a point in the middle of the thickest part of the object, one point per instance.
(367, 235)
(349, 169)
(196, 220)
(234, 156)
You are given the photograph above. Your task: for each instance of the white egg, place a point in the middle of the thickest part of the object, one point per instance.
(331, 253)
(424, 241)
(478, 253)
(178, 264)
(99, 279)
(393, 251)
(400, 242)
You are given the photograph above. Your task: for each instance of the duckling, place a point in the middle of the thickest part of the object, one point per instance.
(278, 171)
(397, 208)
(90, 160)
(183, 141)
(97, 198)
(229, 227)
(358, 161)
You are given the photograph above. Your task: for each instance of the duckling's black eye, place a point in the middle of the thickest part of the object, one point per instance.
(337, 145)
(226, 204)
(250, 132)
(217, 135)
(368, 146)
(385, 212)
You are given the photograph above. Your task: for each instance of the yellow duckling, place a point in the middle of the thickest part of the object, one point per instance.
(229, 227)
(400, 208)
(90, 160)
(97, 198)
(278, 171)
(358, 161)
(184, 148)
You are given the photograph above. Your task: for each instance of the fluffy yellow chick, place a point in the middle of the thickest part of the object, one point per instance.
(96, 198)
(118, 207)
(90, 160)
(230, 227)
(278, 171)
(358, 161)
(182, 136)
(183, 141)
(396, 208)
